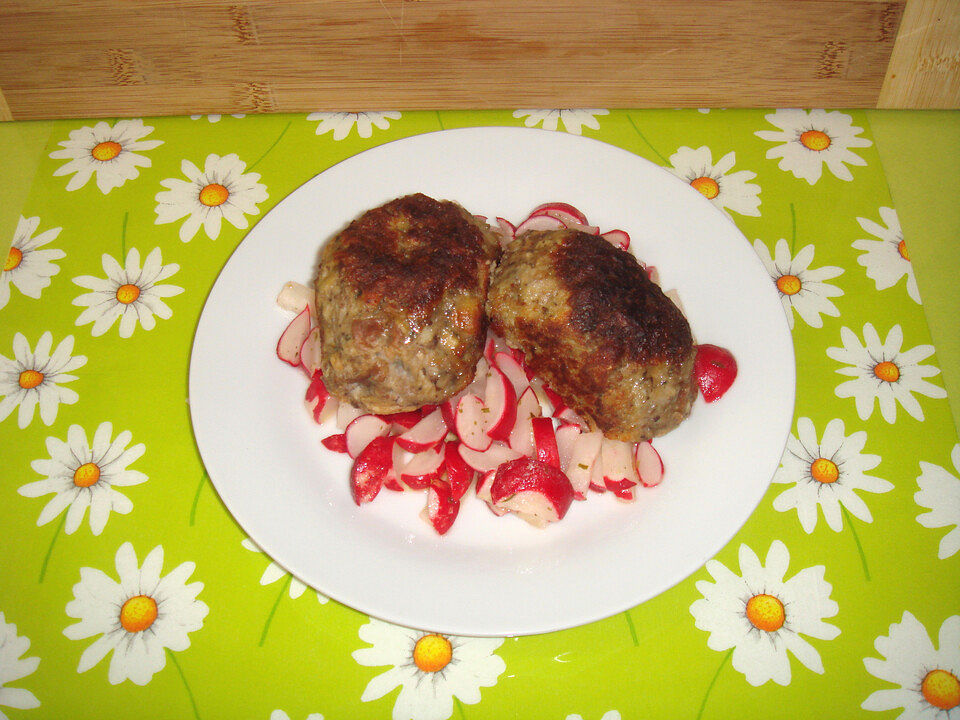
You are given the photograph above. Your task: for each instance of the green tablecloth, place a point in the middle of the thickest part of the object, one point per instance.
(838, 598)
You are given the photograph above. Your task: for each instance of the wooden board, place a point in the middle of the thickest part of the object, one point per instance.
(73, 58)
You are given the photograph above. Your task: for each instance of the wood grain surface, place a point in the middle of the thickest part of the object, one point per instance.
(72, 58)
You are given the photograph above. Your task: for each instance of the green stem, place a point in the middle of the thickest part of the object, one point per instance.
(123, 239)
(439, 120)
(459, 705)
(186, 685)
(53, 541)
(273, 610)
(196, 498)
(633, 630)
(863, 556)
(649, 144)
(279, 137)
(723, 662)
(793, 225)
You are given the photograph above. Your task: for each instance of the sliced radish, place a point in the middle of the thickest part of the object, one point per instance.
(370, 469)
(508, 365)
(336, 443)
(618, 238)
(422, 469)
(521, 439)
(288, 346)
(618, 463)
(556, 402)
(537, 492)
(545, 441)
(568, 416)
(583, 458)
(459, 474)
(567, 436)
(596, 475)
(392, 479)
(405, 420)
(560, 209)
(484, 482)
(442, 508)
(540, 222)
(588, 229)
(362, 430)
(425, 434)
(649, 464)
(317, 396)
(501, 403)
(653, 274)
(490, 459)
(310, 352)
(346, 414)
(295, 297)
(623, 489)
(448, 410)
(490, 349)
(507, 231)
(472, 420)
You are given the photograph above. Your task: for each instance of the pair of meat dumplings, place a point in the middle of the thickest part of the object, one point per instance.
(406, 291)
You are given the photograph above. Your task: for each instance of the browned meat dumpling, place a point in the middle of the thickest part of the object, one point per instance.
(597, 330)
(400, 299)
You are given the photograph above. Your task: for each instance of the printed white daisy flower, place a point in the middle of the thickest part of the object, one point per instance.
(274, 572)
(609, 715)
(215, 117)
(430, 668)
(573, 120)
(928, 677)
(940, 493)
(281, 715)
(885, 373)
(810, 140)
(131, 293)
(886, 259)
(341, 123)
(221, 191)
(34, 378)
(827, 474)
(801, 287)
(26, 266)
(108, 152)
(727, 190)
(139, 618)
(762, 616)
(14, 667)
(82, 475)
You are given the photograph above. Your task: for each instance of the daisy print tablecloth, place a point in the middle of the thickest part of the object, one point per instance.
(127, 589)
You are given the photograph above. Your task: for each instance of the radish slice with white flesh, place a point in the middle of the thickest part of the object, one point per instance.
(567, 436)
(588, 229)
(569, 417)
(346, 414)
(649, 464)
(317, 397)
(442, 508)
(537, 492)
(294, 297)
(619, 471)
(507, 231)
(459, 474)
(501, 402)
(540, 222)
(596, 473)
(617, 238)
(370, 469)
(422, 469)
(560, 210)
(391, 480)
(506, 363)
(584, 455)
(653, 274)
(362, 430)
(545, 441)
(310, 351)
(472, 420)
(538, 389)
(483, 492)
(490, 459)
(290, 342)
(425, 434)
(528, 407)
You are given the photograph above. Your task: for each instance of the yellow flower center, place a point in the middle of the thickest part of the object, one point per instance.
(106, 150)
(138, 613)
(902, 249)
(825, 471)
(86, 475)
(886, 371)
(941, 689)
(765, 612)
(432, 653)
(214, 194)
(815, 140)
(127, 293)
(14, 258)
(29, 379)
(707, 186)
(788, 284)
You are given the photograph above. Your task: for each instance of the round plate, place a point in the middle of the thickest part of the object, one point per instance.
(488, 575)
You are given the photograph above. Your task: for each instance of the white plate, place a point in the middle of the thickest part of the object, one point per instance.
(489, 575)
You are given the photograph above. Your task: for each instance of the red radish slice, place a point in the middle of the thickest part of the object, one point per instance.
(346, 414)
(540, 392)
(540, 222)
(288, 346)
(545, 441)
(559, 209)
(472, 420)
(317, 396)
(514, 371)
(328, 413)
(484, 482)
(556, 402)
(370, 469)
(567, 436)
(588, 229)
(653, 274)
(568, 416)
(490, 349)
(649, 464)
(405, 420)
(501, 402)
(336, 443)
(490, 459)
(295, 297)
(459, 474)
(596, 475)
(507, 230)
(422, 469)
(618, 238)
(448, 410)
(361, 432)
(537, 492)
(442, 508)
(310, 352)
(623, 489)
(392, 479)
(425, 434)
(618, 463)
(521, 439)
(715, 369)
(584, 456)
